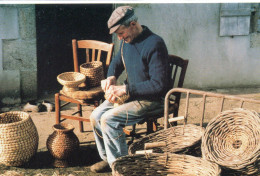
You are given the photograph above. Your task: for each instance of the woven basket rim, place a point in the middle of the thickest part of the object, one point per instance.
(88, 63)
(214, 125)
(72, 73)
(149, 137)
(23, 119)
(174, 157)
(63, 127)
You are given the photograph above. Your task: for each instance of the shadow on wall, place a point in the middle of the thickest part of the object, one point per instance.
(56, 26)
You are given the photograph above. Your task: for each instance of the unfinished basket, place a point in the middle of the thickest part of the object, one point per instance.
(157, 164)
(70, 80)
(94, 73)
(184, 139)
(119, 100)
(232, 140)
(18, 138)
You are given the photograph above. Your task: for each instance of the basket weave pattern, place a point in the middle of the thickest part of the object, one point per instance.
(158, 164)
(184, 139)
(232, 140)
(71, 79)
(18, 138)
(62, 144)
(94, 73)
(119, 100)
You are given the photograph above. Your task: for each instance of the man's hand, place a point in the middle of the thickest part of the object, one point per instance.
(115, 92)
(105, 84)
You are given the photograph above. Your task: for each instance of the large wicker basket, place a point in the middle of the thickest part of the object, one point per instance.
(184, 139)
(18, 138)
(157, 164)
(94, 73)
(232, 140)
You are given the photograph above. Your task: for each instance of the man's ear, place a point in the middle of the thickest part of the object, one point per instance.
(133, 23)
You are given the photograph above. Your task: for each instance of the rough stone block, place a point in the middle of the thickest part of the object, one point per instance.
(19, 54)
(9, 23)
(28, 85)
(10, 87)
(27, 22)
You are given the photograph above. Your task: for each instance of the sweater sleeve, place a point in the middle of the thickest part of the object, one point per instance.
(116, 66)
(157, 84)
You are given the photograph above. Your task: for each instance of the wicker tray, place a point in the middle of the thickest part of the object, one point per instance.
(232, 140)
(18, 138)
(156, 164)
(70, 80)
(184, 139)
(94, 73)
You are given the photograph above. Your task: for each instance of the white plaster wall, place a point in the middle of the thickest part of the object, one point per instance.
(192, 32)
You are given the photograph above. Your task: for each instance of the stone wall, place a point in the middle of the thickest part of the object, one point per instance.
(18, 61)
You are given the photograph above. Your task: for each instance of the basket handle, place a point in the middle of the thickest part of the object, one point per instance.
(175, 119)
(154, 144)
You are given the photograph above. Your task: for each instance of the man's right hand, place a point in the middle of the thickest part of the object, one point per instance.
(106, 83)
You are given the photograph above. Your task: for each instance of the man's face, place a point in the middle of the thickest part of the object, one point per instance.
(126, 33)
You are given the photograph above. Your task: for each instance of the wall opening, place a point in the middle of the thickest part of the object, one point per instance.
(56, 26)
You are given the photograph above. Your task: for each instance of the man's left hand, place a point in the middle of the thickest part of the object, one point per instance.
(115, 92)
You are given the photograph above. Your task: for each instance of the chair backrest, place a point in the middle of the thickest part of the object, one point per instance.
(178, 66)
(94, 50)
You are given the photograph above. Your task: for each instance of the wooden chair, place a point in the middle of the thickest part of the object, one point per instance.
(94, 51)
(177, 80)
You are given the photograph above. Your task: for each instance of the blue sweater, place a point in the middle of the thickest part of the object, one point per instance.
(146, 60)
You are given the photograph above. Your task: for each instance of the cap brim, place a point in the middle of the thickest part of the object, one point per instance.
(113, 29)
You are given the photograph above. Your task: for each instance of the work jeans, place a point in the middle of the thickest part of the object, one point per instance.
(108, 122)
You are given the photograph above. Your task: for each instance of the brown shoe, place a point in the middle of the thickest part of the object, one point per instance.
(101, 166)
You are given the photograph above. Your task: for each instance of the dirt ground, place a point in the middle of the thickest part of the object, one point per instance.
(41, 164)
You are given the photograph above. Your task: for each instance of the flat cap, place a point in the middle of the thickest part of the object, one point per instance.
(118, 16)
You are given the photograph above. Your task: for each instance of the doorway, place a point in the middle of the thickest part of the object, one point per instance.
(56, 26)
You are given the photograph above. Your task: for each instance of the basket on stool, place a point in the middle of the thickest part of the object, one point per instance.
(94, 73)
(184, 139)
(70, 80)
(166, 164)
(232, 140)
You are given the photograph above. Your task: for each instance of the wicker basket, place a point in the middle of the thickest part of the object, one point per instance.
(70, 80)
(232, 140)
(94, 73)
(18, 138)
(184, 139)
(119, 100)
(157, 164)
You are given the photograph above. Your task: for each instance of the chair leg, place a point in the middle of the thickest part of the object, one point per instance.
(155, 125)
(149, 126)
(81, 129)
(57, 108)
(96, 103)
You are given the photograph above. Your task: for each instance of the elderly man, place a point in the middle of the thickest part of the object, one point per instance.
(144, 57)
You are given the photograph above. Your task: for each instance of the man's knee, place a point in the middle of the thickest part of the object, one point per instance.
(109, 120)
(92, 121)
(94, 118)
(103, 121)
